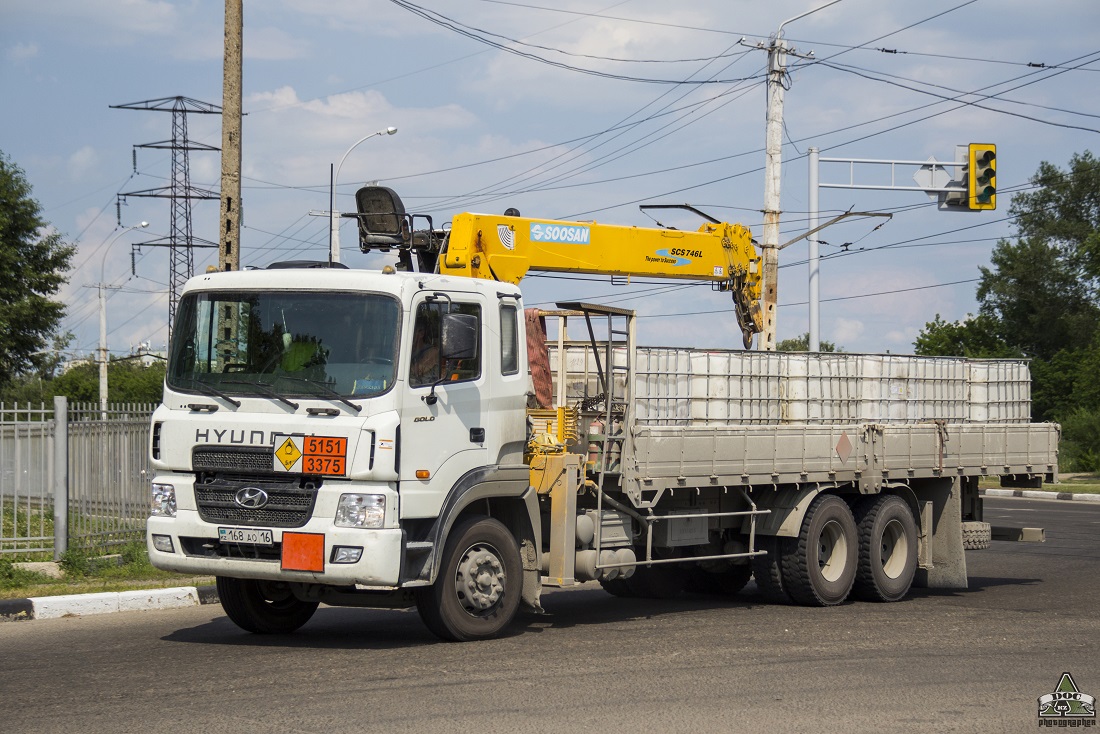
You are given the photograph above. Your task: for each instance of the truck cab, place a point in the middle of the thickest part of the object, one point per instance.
(317, 423)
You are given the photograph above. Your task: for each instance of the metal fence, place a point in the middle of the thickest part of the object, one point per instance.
(72, 476)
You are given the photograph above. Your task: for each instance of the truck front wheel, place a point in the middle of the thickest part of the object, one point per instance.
(819, 566)
(477, 591)
(263, 607)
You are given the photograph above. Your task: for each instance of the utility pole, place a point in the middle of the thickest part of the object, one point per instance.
(814, 261)
(773, 160)
(102, 354)
(229, 246)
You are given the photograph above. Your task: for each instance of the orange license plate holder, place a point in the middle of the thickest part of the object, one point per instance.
(303, 552)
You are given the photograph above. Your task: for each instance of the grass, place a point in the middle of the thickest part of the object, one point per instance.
(85, 572)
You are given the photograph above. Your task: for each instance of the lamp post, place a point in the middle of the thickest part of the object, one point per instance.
(334, 217)
(103, 319)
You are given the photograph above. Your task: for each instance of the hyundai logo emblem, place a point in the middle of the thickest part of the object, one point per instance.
(251, 498)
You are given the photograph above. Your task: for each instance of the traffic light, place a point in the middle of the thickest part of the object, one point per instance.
(981, 177)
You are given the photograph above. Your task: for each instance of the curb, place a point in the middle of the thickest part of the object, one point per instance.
(74, 605)
(1038, 494)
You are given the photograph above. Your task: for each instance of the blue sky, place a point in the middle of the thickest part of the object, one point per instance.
(481, 129)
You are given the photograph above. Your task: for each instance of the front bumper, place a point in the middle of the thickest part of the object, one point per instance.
(196, 549)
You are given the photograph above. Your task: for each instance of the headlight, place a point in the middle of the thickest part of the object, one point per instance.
(361, 511)
(164, 500)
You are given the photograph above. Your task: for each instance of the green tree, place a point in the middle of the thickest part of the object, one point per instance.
(802, 344)
(34, 262)
(974, 336)
(1040, 299)
(128, 381)
(1064, 211)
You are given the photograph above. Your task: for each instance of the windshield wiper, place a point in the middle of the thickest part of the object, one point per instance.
(265, 388)
(324, 385)
(208, 390)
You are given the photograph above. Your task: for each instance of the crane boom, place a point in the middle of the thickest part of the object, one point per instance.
(505, 248)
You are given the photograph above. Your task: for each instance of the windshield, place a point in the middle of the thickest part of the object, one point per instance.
(300, 343)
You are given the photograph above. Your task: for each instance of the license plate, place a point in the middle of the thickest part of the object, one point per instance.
(250, 536)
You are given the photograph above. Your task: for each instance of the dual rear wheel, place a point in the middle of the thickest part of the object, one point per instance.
(868, 551)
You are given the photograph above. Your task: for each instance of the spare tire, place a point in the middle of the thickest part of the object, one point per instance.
(976, 535)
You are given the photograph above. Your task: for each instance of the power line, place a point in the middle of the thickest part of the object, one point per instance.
(870, 76)
(474, 34)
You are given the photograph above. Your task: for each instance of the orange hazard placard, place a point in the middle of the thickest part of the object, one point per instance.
(303, 552)
(326, 455)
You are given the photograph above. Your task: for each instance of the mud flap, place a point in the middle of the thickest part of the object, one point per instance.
(943, 561)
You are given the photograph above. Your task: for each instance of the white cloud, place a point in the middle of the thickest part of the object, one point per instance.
(21, 52)
(845, 332)
(107, 21)
(82, 161)
(271, 44)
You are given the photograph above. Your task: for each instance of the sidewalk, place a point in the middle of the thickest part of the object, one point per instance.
(1040, 494)
(52, 607)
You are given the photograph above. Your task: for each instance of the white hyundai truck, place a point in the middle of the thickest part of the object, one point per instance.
(414, 436)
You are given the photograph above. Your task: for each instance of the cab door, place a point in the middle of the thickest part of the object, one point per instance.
(441, 439)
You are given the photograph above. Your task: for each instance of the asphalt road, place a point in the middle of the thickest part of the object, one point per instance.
(939, 661)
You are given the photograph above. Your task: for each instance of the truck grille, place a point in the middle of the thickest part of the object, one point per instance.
(288, 505)
(248, 459)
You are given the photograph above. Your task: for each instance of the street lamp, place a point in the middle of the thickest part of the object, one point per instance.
(334, 217)
(103, 319)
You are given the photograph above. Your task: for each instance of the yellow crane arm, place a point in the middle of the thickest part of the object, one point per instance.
(503, 248)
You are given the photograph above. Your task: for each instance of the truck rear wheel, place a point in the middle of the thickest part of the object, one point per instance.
(477, 591)
(887, 549)
(819, 566)
(263, 607)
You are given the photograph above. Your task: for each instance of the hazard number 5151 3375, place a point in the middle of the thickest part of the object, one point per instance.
(327, 455)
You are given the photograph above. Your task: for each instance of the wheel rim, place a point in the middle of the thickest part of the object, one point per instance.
(480, 579)
(895, 551)
(832, 551)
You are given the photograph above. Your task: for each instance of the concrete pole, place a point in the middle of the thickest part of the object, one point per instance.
(102, 349)
(103, 318)
(61, 475)
(229, 247)
(777, 57)
(814, 262)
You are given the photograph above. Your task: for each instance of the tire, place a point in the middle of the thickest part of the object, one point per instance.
(977, 535)
(263, 607)
(766, 570)
(819, 567)
(726, 582)
(477, 590)
(887, 549)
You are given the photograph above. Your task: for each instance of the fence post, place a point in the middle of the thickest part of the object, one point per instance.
(60, 476)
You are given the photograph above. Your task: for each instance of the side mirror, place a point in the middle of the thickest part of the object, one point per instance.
(459, 336)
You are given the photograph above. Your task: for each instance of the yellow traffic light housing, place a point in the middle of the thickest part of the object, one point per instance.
(981, 177)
